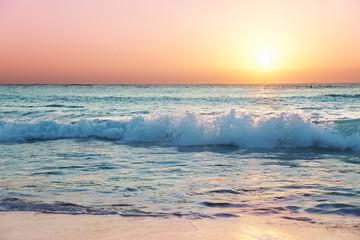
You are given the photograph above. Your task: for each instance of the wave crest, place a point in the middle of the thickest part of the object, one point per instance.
(185, 129)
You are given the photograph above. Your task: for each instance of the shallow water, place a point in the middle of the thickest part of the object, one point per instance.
(200, 151)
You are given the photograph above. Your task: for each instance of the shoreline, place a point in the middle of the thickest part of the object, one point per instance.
(18, 225)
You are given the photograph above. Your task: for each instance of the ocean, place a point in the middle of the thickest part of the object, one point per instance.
(197, 151)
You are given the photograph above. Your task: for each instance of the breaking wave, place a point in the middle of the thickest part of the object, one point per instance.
(285, 130)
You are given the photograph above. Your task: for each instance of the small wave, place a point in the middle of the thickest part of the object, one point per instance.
(232, 191)
(302, 219)
(285, 130)
(224, 205)
(124, 210)
(343, 95)
(54, 105)
(225, 191)
(335, 208)
(14, 204)
(62, 106)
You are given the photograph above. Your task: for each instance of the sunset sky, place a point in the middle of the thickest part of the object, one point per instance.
(188, 41)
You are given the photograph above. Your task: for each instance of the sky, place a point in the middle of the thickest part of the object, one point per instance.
(179, 42)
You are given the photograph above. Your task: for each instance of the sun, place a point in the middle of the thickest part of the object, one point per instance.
(265, 58)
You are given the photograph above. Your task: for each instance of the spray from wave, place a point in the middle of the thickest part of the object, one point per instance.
(285, 130)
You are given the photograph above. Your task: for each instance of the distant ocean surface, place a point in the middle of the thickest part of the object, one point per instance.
(201, 151)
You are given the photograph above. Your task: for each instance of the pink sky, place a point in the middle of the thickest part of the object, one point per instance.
(163, 41)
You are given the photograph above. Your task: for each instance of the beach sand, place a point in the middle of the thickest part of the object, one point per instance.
(30, 225)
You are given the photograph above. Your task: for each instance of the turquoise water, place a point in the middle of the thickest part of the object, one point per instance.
(199, 151)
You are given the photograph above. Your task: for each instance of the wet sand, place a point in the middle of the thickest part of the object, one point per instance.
(30, 225)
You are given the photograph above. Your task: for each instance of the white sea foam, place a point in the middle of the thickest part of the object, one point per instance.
(186, 129)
